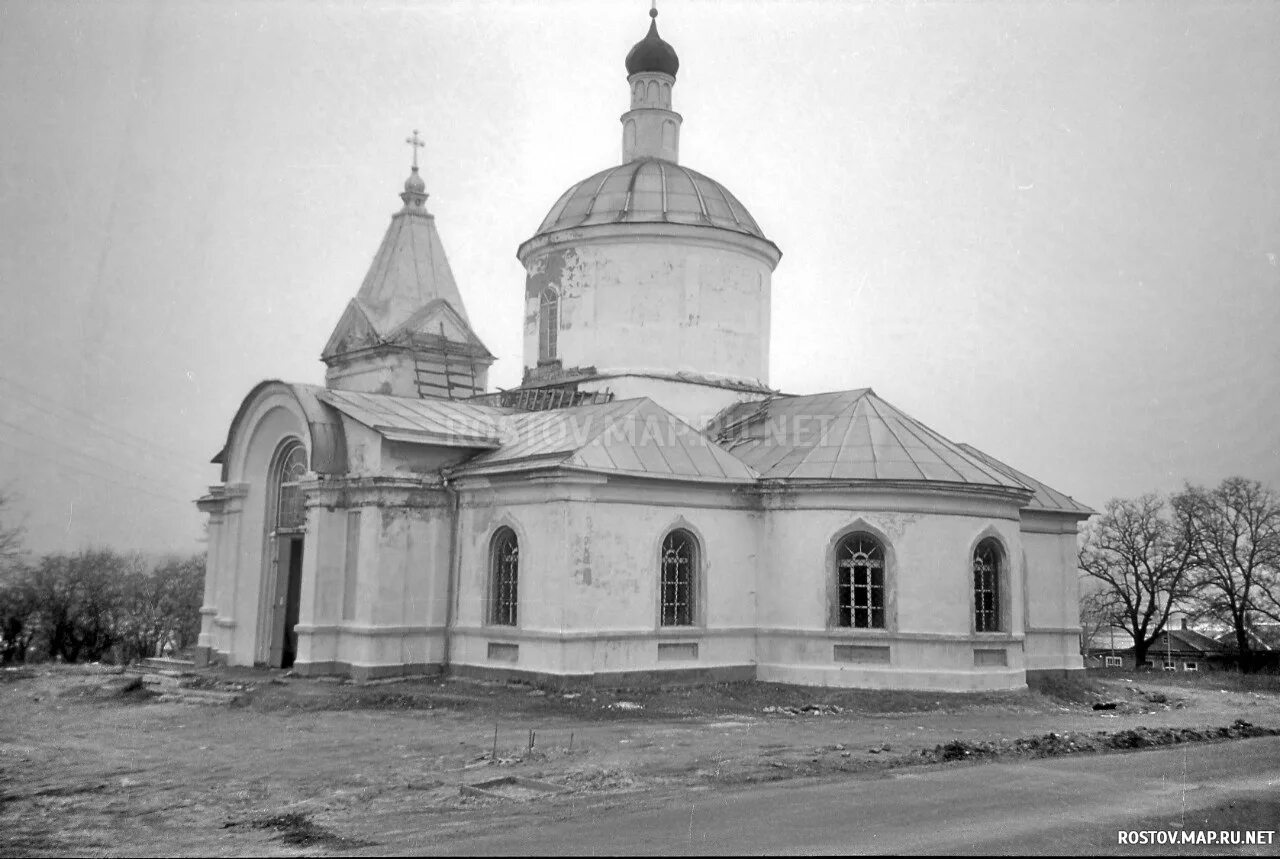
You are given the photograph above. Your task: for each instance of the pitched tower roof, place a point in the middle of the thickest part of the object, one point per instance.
(408, 304)
(410, 269)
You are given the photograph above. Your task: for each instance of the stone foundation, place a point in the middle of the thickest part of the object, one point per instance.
(365, 673)
(611, 679)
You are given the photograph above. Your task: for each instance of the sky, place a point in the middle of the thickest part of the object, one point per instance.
(1048, 229)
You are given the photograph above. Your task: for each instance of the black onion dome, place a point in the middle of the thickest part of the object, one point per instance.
(651, 54)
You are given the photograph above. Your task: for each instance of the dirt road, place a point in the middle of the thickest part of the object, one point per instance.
(1052, 806)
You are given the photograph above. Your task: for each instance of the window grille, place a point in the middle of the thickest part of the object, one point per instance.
(291, 514)
(548, 325)
(679, 556)
(1112, 661)
(986, 587)
(860, 562)
(506, 577)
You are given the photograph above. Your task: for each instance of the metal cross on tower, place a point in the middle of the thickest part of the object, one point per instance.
(416, 142)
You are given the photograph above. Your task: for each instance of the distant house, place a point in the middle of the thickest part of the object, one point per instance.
(1182, 650)
(1106, 648)
(1264, 641)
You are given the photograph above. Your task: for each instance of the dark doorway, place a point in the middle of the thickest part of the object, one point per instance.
(284, 638)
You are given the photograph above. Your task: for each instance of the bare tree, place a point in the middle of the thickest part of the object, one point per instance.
(1234, 533)
(1142, 562)
(11, 532)
(79, 599)
(161, 607)
(17, 602)
(1098, 609)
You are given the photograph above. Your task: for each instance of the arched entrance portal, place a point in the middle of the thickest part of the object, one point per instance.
(287, 524)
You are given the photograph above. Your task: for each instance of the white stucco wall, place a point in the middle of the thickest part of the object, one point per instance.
(379, 602)
(589, 577)
(671, 304)
(929, 541)
(1053, 591)
(244, 575)
(589, 572)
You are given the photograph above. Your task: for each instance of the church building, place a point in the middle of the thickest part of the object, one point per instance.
(645, 506)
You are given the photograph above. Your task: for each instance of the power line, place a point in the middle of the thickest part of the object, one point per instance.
(121, 435)
(82, 470)
(73, 451)
(166, 473)
(150, 445)
(168, 467)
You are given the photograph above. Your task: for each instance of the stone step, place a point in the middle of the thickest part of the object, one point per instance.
(205, 697)
(163, 681)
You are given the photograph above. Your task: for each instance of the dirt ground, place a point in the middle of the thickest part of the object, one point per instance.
(250, 762)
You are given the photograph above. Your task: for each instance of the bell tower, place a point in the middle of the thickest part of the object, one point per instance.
(406, 332)
(651, 129)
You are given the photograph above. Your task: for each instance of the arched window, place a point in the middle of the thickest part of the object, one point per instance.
(548, 324)
(679, 578)
(629, 135)
(291, 514)
(986, 586)
(668, 134)
(860, 582)
(504, 566)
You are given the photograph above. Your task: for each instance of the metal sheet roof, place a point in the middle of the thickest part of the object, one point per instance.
(649, 190)
(1045, 498)
(847, 435)
(633, 437)
(409, 270)
(444, 422)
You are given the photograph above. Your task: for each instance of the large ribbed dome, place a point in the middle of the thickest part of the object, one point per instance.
(649, 191)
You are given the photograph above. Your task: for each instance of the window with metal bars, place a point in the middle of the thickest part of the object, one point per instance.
(986, 587)
(860, 582)
(679, 571)
(291, 514)
(505, 573)
(548, 325)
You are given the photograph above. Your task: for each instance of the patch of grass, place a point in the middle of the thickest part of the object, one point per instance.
(124, 690)
(18, 842)
(1069, 690)
(323, 697)
(299, 830)
(1232, 681)
(593, 703)
(13, 674)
